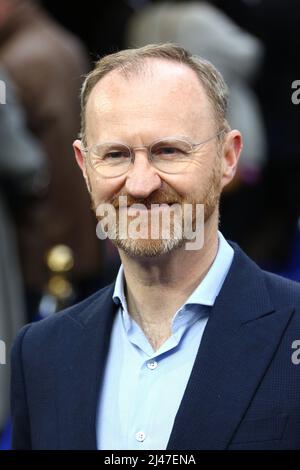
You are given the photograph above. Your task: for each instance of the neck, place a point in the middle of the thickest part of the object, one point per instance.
(157, 287)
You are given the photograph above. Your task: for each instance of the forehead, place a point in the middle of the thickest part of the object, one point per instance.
(163, 98)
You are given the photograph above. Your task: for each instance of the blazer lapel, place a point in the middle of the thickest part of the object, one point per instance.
(81, 370)
(237, 346)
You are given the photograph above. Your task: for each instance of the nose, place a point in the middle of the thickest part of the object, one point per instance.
(142, 178)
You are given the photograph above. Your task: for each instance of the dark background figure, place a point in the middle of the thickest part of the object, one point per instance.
(47, 64)
(274, 206)
(22, 173)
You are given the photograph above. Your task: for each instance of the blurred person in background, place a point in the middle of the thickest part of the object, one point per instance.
(207, 31)
(46, 64)
(23, 175)
(276, 24)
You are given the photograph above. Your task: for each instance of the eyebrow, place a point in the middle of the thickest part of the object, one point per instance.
(166, 138)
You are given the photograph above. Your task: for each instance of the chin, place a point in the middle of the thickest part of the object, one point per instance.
(148, 248)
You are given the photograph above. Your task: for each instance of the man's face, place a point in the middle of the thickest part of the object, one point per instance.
(165, 99)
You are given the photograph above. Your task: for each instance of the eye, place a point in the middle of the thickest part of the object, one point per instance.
(116, 155)
(108, 154)
(167, 150)
(171, 150)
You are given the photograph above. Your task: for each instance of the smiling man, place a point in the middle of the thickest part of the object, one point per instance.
(189, 348)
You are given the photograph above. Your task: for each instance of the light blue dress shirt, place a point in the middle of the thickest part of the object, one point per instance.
(142, 389)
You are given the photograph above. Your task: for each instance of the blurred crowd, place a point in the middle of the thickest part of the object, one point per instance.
(49, 253)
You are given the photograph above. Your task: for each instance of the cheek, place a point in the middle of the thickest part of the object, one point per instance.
(103, 189)
(191, 183)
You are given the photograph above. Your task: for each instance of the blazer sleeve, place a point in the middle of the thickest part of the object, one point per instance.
(21, 438)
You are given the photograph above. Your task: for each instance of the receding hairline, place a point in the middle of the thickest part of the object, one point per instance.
(145, 69)
(132, 62)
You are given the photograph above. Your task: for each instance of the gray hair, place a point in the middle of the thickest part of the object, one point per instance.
(132, 60)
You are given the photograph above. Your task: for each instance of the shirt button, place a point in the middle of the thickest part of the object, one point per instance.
(152, 365)
(140, 436)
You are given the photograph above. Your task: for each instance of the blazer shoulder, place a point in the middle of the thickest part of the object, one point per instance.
(282, 291)
(52, 325)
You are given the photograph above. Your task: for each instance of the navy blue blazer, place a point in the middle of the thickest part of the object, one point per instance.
(243, 392)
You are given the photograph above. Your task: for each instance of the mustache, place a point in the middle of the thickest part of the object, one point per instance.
(157, 197)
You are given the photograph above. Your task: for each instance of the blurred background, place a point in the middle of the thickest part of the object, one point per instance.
(49, 254)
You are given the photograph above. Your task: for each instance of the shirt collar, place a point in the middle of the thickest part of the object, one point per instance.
(119, 294)
(208, 289)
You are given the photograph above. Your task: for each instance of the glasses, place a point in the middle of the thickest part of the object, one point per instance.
(168, 155)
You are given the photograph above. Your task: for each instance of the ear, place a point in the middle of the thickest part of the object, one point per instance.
(79, 155)
(232, 148)
(81, 160)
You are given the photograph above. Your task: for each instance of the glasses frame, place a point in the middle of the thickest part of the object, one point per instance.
(132, 150)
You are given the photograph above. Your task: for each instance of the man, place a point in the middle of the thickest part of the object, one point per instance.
(190, 348)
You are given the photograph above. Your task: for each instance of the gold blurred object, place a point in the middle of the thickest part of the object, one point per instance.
(58, 292)
(60, 259)
(60, 287)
